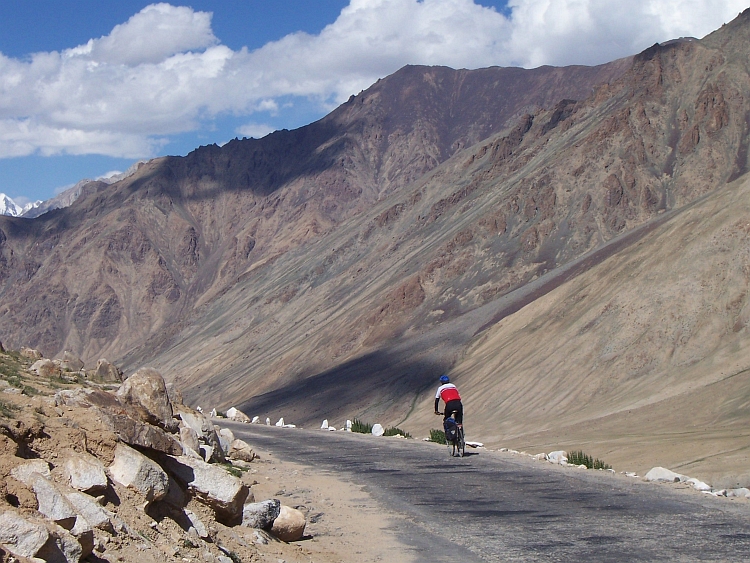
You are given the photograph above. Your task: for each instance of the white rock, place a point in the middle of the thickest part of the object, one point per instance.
(237, 415)
(134, 470)
(226, 437)
(213, 413)
(211, 485)
(558, 457)
(91, 510)
(268, 421)
(52, 503)
(377, 430)
(742, 492)
(630, 474)
(280, 422)
(324, 426)
(85, 473)
(663, 475)
(289, 426)
(25, 471)
(540, 457)
(479, 445)
(256, 420)
(197, 524)
(348, 426)
(21, 537)
(698, 485)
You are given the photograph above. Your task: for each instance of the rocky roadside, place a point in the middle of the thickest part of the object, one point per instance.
(97, 469)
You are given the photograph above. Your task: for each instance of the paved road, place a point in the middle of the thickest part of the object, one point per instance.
(499, 508)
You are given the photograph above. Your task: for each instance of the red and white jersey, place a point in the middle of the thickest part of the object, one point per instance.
(448, 392)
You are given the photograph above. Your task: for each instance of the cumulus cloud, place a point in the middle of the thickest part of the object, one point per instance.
(164, 72)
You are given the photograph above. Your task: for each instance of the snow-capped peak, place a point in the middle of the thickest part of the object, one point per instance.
(9, 207)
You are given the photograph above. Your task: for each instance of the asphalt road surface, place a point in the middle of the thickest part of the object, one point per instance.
(495, 507)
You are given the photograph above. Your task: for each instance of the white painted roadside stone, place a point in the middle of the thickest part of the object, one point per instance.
(261, 515)
(211, 485)
(324, 426)
(268, 421)
(560, 457)
(25, 471)
(280, 422)
(742, 492)
(663, 475)
(85, 473)
(348, 426)
(135, 471)
(377, 430)
(256, 420)
(21, 537)
(699, 485)
(476, 445)
(289, 525)
(213, 413)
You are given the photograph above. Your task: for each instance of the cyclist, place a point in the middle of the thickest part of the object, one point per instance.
(449, 394)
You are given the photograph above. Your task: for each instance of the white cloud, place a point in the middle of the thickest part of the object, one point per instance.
(164, 72)
(255, 130)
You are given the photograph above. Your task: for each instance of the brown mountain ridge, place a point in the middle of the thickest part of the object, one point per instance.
(336, 270)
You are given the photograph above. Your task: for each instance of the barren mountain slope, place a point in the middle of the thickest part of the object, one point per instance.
(642, 360)
(361, 320)
(127, 260)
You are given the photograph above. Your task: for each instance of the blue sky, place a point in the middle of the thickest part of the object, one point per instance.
(91, 86)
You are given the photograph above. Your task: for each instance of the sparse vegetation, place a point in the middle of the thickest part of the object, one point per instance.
(580, 458)
(393, 431)
(361, 427)
(7, 409)
(437, 436)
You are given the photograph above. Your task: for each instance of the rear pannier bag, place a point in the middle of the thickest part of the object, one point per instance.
(449, 425)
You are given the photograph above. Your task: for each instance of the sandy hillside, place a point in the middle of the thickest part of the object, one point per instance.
(643, 360)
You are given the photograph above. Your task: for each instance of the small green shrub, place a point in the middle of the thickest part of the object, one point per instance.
(361, 427)
(7, 409)
(437, 436)
(580, 458)
(393, 431)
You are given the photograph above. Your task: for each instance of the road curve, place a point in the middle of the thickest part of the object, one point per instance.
(494, 507)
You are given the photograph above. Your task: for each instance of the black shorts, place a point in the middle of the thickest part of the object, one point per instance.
(456, 406)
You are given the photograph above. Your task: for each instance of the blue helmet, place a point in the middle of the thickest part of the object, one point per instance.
(445, 379)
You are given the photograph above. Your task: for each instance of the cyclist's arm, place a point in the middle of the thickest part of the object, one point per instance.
(437, 400)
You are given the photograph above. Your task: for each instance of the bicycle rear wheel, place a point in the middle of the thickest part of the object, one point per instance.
(461, 446)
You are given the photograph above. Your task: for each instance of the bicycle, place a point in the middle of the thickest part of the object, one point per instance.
(457, 445)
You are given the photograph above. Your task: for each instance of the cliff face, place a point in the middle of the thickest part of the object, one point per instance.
(338, 268)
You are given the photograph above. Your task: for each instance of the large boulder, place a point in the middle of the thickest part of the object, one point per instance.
(20, 536)
(26, 471)
(52, 502)
(211, 485)
(62, 547)
(205, 430)
(237, 415)
(85, 473)
(241, 450)
(146, 392)
(226, 437)
(663, 475)
(134, 470)
(189, 440)
(289, 525)
(262, 514)
(107, 372)
(30, 353)
(91, 511)
(46, 368)
(70, 362)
